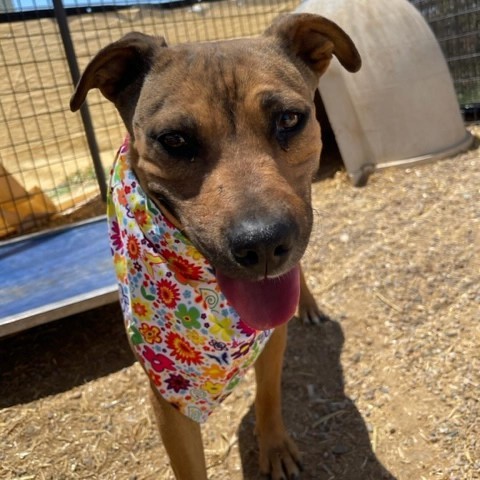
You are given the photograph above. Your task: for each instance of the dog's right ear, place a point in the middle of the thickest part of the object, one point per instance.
(118, 70)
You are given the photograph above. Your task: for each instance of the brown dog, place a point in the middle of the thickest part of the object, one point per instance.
(225, 142)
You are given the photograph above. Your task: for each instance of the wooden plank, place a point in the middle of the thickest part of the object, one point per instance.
(10, 188)
(20, 209)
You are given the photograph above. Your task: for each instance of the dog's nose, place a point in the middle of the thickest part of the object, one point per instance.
(262, 245)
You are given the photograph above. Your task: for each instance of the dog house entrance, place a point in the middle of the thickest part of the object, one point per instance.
(330, 159)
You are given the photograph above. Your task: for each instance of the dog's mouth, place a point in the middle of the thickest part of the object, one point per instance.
(266, 303)
(261, 304)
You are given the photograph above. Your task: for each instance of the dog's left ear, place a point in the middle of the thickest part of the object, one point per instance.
(314, 39)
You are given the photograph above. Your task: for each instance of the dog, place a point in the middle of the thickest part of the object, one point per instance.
(210, 214)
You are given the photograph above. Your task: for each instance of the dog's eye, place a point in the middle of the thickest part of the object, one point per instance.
(173, 140)
(287, 124)
(178, 144)
(288, 121)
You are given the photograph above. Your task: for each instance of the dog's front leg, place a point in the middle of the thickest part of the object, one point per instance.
(182, 439)
(279, 455)
(308, 310)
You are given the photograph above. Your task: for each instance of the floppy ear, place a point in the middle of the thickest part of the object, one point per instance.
(119, 70)
(314, 39)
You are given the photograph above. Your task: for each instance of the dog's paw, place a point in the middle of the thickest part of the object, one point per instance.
(310, 314)
(280, 458)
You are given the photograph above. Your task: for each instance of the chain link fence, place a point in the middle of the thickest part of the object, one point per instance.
(46, 168)
(456, 24)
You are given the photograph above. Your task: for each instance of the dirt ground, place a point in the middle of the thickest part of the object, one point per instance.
(388, 389)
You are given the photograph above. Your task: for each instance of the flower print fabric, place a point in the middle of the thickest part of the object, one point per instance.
(189, 340)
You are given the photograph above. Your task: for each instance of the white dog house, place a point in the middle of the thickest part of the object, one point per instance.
(401, 107)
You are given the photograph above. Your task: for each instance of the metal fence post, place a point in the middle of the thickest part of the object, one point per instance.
(62, 22)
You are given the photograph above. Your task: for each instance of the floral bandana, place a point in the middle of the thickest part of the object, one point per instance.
(190, 342)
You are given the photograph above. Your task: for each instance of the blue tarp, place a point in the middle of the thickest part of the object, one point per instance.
(30, 5)
(53, 274)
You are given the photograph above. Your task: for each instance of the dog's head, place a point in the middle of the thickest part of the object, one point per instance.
(224, 135)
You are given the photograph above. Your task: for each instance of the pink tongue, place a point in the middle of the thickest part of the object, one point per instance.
(264, 304)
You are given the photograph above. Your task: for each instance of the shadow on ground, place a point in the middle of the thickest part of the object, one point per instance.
(325, 423)
(57, 357)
